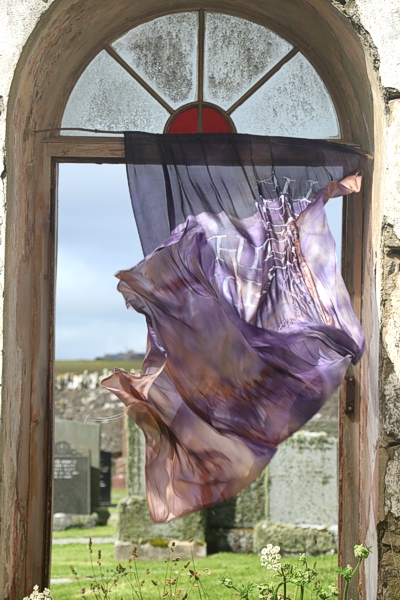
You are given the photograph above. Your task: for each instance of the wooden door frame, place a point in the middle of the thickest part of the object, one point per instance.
(111, 150)
(52, 60)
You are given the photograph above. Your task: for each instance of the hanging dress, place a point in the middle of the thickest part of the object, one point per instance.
(250, 326)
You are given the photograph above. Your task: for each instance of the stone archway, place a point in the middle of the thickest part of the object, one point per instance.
(57, 52)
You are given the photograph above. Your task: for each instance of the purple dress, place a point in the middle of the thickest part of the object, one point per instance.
(251, 328)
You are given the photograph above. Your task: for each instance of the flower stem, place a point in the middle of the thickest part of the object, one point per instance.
(346, 587)
(346, 590)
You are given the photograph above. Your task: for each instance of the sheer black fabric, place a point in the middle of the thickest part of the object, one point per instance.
(173, 176)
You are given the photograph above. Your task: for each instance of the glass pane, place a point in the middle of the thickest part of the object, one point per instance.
(214, 122)
(237, 54)
(186, 122)
(107, 97)
(164, 53)
(294, 102)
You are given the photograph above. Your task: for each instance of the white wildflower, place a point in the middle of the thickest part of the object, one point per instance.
(270, 557)
(36, 595)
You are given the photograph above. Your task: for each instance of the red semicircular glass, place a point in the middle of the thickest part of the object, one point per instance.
(214, 122)
(187, 121)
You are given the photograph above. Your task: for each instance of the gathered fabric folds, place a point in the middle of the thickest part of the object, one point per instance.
(250, 326)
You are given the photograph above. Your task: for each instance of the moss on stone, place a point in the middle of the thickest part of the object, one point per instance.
(230, 540)
(135, 524)
(304, 440)
(293, 540)
(251, 502)
(159, 543)
(103, 514)
(135, 459)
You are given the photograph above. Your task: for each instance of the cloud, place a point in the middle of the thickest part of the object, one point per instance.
(97, 237)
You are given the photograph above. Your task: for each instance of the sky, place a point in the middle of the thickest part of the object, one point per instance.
(97, 236)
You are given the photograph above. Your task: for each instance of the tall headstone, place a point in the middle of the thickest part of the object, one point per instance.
(135, 460)
(84, 435)
(71, 479)
(302, 502)
(303, 481)
(105, 478)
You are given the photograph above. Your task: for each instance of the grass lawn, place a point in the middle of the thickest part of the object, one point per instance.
(242, 568)
(78, 366)
(78, 532)
(116, 496)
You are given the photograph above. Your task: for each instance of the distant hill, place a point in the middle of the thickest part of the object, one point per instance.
(129, 355)
(79, 366)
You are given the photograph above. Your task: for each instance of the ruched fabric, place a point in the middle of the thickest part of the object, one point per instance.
(251, 328)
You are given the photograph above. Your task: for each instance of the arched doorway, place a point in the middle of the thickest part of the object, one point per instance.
(57, 53)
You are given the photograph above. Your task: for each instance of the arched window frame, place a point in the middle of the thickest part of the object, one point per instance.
(120, 55)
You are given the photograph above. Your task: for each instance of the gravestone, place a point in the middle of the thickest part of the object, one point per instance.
(294, 500)
(71, 479)
(84, 435)
(302, 503)
(134, 525)
(105, 478)
(303, 481)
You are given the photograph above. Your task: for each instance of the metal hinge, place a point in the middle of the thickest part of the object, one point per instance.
(350, 396)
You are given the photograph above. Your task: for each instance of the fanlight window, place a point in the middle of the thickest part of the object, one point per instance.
(202, 71)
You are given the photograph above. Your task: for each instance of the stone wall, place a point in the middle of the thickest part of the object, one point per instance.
(80, 397)
(389, 524)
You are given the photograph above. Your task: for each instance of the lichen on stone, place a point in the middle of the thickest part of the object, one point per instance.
(135, 525)
(293, 540)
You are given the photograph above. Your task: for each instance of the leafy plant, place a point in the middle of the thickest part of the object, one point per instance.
(361, 552)
(300, 576)
(179, 581)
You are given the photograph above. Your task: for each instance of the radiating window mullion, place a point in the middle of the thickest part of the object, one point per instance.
(200, 73)
(107, 97)
(294, 102)
(136, 76)
(262, 80)
(163, 52)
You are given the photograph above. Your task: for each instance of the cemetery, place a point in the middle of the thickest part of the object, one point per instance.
(293, 504)
(304, 470)
(236, 164)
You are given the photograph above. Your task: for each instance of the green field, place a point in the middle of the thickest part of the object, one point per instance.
(242, 568)
(78, 532)
(78, 366)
